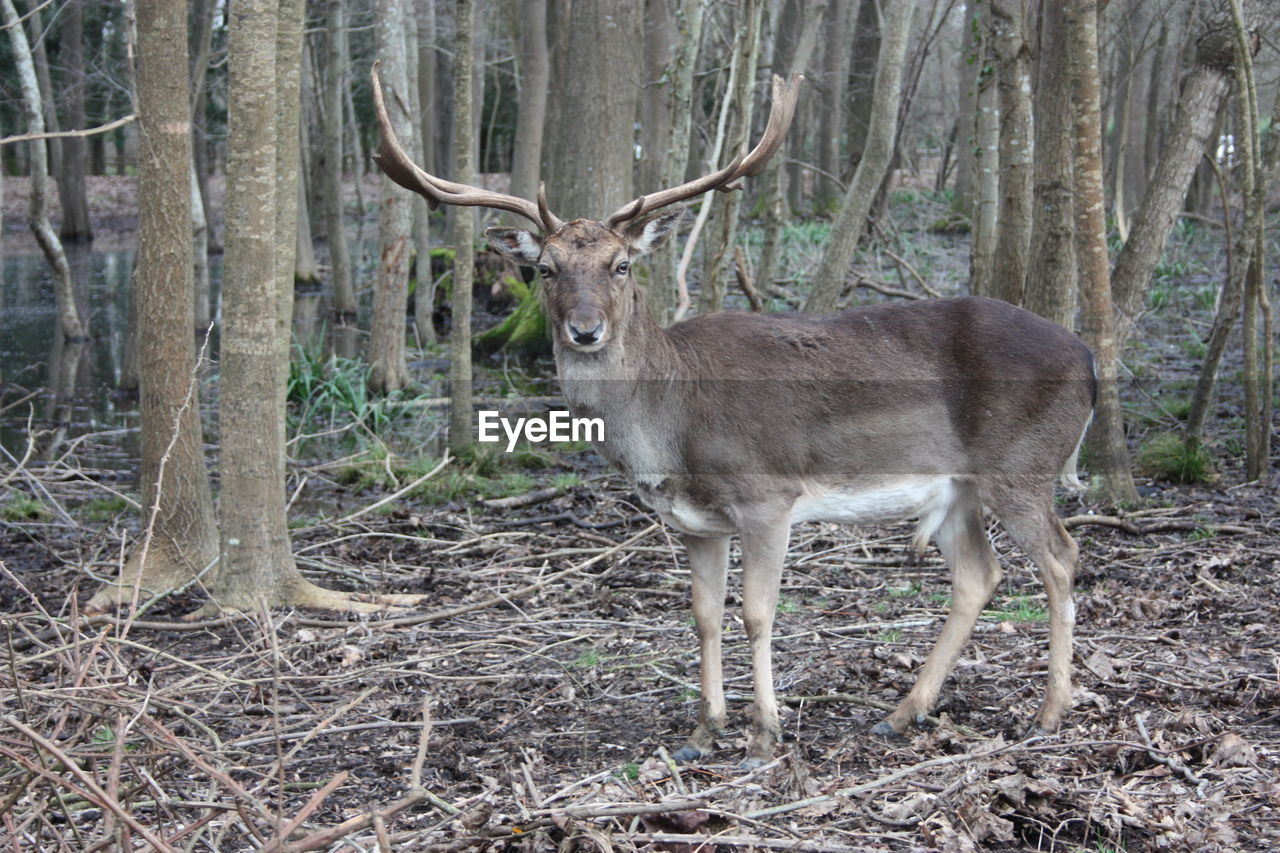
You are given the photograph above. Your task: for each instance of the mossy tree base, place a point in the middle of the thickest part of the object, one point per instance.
(524, 332)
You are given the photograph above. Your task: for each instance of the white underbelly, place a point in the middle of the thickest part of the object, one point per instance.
(927, 498)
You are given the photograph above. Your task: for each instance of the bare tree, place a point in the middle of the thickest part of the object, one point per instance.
(388, 370)
(1051, 274)
(462, 224)
(1202, 91)
(858, 198)
(1013, 83)
(344, 297)
(69, 321)
(180, 537)
(662, 294)
(72, 189)
(723, 220)
(1108, 453)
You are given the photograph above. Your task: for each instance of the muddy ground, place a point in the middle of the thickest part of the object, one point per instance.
(531, 704)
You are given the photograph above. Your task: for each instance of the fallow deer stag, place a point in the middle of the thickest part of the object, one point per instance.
(740, 423)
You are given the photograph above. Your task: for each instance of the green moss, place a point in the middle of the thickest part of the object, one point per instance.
(19, 507)
(524, 332)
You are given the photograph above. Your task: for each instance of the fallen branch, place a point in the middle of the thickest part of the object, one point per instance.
(537, 496)
(1132, 527)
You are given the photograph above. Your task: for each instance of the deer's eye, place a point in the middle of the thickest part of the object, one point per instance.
(622, 267)
(544, 271)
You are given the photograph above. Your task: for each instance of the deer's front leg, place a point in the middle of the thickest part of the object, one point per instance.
(764, 547)
(709, 564)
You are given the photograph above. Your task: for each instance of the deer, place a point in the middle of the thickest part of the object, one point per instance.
(745, 424)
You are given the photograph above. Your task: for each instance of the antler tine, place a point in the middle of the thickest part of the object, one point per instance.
(550, 222)
(781, 113)
(397, 166)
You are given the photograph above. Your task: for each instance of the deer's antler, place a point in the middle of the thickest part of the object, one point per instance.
(397, 166)
(746, 164)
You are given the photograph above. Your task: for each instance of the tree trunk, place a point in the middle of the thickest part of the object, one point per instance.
(388, 370)
(722, 227)
(1241, 258)
(775, 175)
(986, 208)
(1013, 238)
(256, 563)
(862, 78)
(858, 198)
(1202, 91)
(589, 139)
(201, 287)
(424, 291)
(72, 190)
(674, 155)
(831, 121)
(461, 431)
(429, 121)
(970, 65)
(535, 67)
(69, 321)
(344, 296)
(1051, 275)
(180, 538)
(1108, 454)
(655, 98)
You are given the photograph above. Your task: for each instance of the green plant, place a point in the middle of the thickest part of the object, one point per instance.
(890, 635)
(908, 591)
(787, 604)
(20, 507)
(587, 658)
(1169, 457)
(103, 509)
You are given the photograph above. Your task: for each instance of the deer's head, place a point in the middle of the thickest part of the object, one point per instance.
(586, 271)
(585, 264)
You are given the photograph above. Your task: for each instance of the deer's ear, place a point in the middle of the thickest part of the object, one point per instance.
(518, 245)
(645, 235)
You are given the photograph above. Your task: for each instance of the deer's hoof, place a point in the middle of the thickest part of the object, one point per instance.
(687, 754)
(886, 731)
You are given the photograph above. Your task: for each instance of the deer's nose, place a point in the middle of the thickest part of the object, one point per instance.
(586, 337)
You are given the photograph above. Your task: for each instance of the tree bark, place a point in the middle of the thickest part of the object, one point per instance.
(1108, 453)
(180, 538)
(775, 175)
(1051, 275)
(72, 190)
(69, 321)
(1013, 236)
(831, 122)
(674, 155)
(969, 65)
(858, 198)
(388, 370)
(424, 284)
(461, 431)
(1241, 258)
(1202, 91)
(589, 138)
(344, 296)
(986, 209)
(722, 227)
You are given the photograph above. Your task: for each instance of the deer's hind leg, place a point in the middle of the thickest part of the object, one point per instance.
(1035, 528)
(975, 573)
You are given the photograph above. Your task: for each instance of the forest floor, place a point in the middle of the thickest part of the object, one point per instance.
(531, 704)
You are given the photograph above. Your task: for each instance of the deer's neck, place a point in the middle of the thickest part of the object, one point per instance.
(634, 386)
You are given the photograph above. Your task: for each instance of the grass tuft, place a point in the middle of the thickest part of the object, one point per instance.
(1167, 456)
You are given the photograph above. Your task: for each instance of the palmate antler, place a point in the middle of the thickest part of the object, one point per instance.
(747, 164)
(397, 166)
